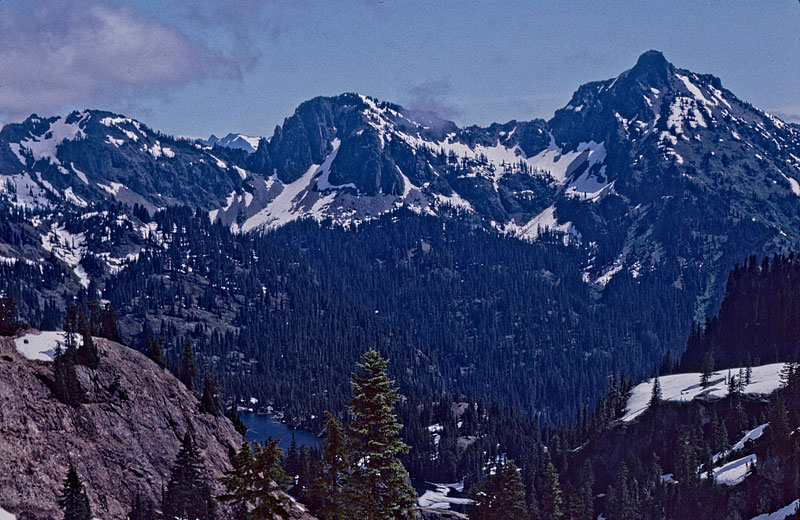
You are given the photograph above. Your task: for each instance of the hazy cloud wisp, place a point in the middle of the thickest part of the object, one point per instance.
(57, 55)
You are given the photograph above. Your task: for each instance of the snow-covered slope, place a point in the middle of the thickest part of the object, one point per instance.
(42, 346)
(685, 387)
(780, 514)
(628, 169)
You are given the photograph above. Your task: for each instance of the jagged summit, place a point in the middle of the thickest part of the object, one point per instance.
(652, 59)
(653, 133)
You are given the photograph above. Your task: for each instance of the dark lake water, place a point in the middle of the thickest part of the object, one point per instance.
(261, 427)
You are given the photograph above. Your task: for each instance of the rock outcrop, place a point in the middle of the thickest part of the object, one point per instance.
(122, 440)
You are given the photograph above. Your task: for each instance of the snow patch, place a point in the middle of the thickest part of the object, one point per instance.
(793, 184)
(242, 173)
(113, 140)
(734, 472)
(751, 435)
(80, 174)
(781, 514)
(284, 207)
(220, 163)
(42, 346)
(438, 498)
(74, 199)
(695, 91)
(113, 189)
(46, 146)
(685, 387)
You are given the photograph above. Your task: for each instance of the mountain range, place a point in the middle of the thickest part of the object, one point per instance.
(647, 187)
(612, 170)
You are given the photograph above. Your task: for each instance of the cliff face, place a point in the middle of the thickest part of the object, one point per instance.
(123, 441)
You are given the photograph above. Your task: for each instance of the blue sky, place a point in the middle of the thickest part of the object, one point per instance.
(202, 66)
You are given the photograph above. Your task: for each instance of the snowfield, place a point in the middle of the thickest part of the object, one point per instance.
(438, 499)
(686, 387)
(752, 435)
(5, 515)
(41, 346)
(734, 472)
(780, 514)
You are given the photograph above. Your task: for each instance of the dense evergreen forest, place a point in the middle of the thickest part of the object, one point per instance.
(762, 308)
(458, 310)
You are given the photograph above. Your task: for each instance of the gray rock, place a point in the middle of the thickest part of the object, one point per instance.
(120, 445)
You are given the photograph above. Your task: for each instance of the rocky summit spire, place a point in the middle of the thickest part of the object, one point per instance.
(652, 69)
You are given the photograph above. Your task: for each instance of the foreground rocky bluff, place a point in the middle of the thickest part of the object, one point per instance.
(122, 441)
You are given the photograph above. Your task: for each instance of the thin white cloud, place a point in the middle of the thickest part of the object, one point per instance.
(85, 53)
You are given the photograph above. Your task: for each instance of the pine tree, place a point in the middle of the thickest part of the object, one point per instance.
(733, 385)
(779, 422)
(108, 326)
(330, 486)
(378, 484)
(655, 396)
(292, 464)
(208, 401)
(552, 502)
(574, 507)
(9, 324)
(188, 495)
(152, 348)
(788, 373)
(707, 369)
(188, 366)
(142, 508)
(73, 500)
(620, 499)
(501, 496)
(66, 386)
(254, 484)
(233, 415)
(88, 354)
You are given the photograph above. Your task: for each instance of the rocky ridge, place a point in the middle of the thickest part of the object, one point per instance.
(122, 440)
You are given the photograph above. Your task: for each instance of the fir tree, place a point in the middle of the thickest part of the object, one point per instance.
(501, 496)
(152, 348)
(88, 354)
(378, 484)
(108, 326)
(9, 324)
(208, 401)
(788, 373)
(779, 422)
(66, 386)
(734, 385)
(741, 380)
(233, 415)
(655, 395)
(707, 369)
(142, 508)
(188, 495)
(188, 366)
(73, 500)
(552, 502)
(330, 486)
(620, 499)
(574, 507)
(254, 484)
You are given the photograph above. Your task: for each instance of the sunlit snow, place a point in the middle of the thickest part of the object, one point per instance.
(685, 387)
(42, 346)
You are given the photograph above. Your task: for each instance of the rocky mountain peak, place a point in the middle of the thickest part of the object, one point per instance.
(652, 61)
